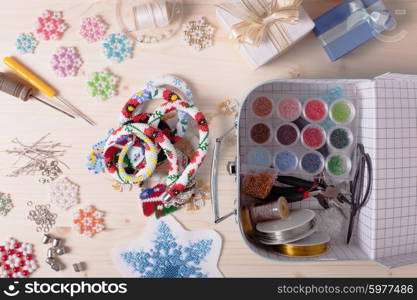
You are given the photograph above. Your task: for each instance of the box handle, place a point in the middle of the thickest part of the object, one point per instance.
(214, 178)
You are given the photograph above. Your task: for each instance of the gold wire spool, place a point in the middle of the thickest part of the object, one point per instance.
(302, 250)
(313, 245)
(247, 225)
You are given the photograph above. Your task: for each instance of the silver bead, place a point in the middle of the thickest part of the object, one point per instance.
(50, 261)
(78, 267)
(46, 239)
(60, 250)
(56, 242)
(56, 267)
(51, 253)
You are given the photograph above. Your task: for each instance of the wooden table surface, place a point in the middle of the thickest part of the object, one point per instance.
(215, 74)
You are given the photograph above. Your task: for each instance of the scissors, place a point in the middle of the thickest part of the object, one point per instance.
(359, 198)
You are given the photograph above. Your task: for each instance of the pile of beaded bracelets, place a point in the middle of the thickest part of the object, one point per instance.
(182, 181)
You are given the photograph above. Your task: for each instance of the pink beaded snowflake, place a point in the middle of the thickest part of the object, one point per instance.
(51, 25)
(93, 29)
(66, 61)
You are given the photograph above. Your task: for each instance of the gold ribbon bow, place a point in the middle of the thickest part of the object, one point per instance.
(252, 28)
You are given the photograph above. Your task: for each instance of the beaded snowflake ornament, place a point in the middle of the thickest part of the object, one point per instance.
(199, 34)
(88, 221)
(117, 47)
(6, 204)
(102, 85)
(93, 29)
(16, 259)
(50, 25)
(66, 61)
(167, 250)
(26, 43)
(64, 193)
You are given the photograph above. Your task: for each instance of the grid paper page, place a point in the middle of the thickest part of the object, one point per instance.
(395, 214)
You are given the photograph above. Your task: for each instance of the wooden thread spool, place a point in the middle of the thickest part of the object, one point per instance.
(14, 88)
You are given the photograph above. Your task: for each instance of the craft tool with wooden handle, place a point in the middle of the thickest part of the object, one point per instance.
(42, 86)
(20, 91)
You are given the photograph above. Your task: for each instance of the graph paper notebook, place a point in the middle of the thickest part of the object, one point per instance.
(386, 228)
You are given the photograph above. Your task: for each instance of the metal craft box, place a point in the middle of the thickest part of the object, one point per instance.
(386, 229)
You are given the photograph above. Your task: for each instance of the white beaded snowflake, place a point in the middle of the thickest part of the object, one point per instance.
(199, 34)
(64, 193)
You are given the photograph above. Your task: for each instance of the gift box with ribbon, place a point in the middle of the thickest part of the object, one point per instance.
(264, 29)
(351, 24)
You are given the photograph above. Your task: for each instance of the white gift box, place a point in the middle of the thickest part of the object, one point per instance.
(258, 56)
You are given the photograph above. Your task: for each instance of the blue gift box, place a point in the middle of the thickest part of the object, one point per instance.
(351, 24)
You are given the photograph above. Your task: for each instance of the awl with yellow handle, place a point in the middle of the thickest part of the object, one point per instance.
(42, 86)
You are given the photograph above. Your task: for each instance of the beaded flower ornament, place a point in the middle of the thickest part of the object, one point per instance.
(93, 29)
(50, 25)
(6, 204)
(199, 34)
(64, 193)
(117, 47)
(88, 221)
(66, 61)
(26, 43)
(102, 85)
(16, 259)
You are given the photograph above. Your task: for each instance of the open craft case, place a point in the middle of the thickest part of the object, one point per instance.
(386, 124)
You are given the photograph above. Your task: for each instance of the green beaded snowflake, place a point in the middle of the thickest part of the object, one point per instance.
(5, 204)
(102, 85)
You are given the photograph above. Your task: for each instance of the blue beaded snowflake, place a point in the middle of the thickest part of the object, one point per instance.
(117, 47)
(169, 259)
(26, 43)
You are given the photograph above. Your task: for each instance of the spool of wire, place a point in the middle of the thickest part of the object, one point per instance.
(313, 245)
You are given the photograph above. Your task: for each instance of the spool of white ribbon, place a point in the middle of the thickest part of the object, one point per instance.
(152, 15)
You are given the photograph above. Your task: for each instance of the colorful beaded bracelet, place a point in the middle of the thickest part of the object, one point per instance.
(160, 139)
(134, 105)
(189, 173)
(150, 156)
(180, 87)
(134, 157)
